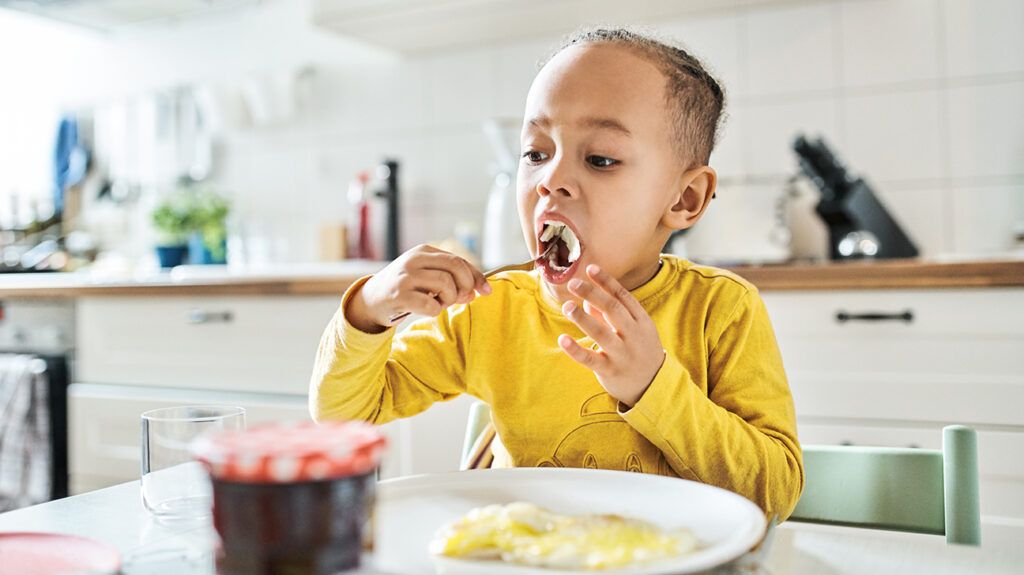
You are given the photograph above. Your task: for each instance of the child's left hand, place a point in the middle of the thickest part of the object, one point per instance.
(630, 352)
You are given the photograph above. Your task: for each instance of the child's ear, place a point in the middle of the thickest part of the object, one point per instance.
(696, 188)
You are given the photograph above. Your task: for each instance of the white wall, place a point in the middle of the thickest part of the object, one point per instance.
(921, 96)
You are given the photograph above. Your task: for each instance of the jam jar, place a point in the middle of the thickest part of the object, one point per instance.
(294, 498)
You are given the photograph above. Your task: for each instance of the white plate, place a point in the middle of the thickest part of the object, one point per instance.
(411, 509)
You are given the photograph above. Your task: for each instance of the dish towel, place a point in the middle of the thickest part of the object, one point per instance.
(25, 453)
(70, 160)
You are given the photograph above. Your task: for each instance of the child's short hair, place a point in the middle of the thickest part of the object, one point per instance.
(695, 99)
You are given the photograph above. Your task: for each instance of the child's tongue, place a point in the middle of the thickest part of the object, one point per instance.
(562, 254)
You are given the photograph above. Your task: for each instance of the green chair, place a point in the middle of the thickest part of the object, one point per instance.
(479, 420)
(899, 489)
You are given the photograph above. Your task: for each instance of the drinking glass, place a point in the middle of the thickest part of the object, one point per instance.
(174, 486)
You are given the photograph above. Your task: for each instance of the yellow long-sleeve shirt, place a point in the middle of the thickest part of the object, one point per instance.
(719, 410)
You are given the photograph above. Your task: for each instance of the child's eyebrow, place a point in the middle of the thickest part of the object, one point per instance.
(588, 122)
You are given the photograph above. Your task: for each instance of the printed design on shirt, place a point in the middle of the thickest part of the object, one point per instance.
(603, 440)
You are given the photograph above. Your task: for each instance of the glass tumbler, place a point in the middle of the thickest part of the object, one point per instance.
(174, 486)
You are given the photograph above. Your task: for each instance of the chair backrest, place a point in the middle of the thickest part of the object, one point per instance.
(918, 490)
(479, 420)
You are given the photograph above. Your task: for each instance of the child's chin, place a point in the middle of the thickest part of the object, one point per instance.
(559, 290)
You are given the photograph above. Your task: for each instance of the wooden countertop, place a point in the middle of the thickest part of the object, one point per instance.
(891, 274)
(280, 280)
(333, 279)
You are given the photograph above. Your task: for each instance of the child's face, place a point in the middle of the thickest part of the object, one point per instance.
(598, 158)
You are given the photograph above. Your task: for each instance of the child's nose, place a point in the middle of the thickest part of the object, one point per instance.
(558, 182)
(544, 190)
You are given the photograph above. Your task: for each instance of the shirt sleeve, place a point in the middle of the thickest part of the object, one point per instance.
(382, 377)
(741, 434)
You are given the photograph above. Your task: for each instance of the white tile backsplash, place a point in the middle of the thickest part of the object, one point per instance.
(894, 136)
(790, 49)
(984, 36)
(890, 41)
(461, 87)
(727, 158)
(924, 214)
(769, 130)
(987, 130)
(387, 95)
(714, 41)
(986, 218)
(738, 226)
(516, 65)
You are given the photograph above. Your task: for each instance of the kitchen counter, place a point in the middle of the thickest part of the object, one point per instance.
(280, 279)
(891, 274)
(115, 516)
(333, 278)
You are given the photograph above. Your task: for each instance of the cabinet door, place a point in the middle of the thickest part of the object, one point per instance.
(264, 344)
(958, 359)
(104, 427)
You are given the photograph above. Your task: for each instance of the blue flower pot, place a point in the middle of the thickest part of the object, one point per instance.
(199, 255)
(171, 256)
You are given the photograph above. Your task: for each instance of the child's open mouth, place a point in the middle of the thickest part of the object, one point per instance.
(560, 251)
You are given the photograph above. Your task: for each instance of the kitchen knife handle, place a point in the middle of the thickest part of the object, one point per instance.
(906, 316)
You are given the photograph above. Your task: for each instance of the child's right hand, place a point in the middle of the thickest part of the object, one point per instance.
(423, 280)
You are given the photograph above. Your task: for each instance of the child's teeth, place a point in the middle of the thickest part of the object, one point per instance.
(550, 231)
(572, 243)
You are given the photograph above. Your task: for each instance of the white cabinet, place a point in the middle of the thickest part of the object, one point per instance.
(105, 425)
(892, 382)
(141, 353)
(246, 344)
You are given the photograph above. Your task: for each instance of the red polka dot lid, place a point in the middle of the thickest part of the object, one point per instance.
(292, 452)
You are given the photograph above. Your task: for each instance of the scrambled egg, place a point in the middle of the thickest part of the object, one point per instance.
(529, 535)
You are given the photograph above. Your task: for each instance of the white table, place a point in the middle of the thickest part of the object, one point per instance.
(115, 515)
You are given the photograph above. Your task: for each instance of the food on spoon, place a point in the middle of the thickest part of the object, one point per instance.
(525, 534)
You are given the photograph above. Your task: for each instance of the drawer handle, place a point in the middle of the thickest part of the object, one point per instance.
(202, 316)
(906, 316)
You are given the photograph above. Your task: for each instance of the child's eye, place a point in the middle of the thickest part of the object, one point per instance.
(601, 161)
(534, 157)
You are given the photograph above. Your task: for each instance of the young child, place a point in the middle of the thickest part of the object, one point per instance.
(603, 353)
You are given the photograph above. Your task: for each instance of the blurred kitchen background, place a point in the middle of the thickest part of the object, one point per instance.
(279, 149)
(279, 105)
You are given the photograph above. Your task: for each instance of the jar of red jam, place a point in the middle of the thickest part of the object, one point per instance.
(293, 498)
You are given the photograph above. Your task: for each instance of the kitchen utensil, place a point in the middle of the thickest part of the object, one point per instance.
(858, 224)
(523, 266)
(174, 486)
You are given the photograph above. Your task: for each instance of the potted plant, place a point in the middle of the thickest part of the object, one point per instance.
(191, 224)
(173, 225)
(208, 242)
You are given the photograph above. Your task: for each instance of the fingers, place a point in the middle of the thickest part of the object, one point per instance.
(439, 284)
(422, 304)
(594, 360)
(613, 288)
(599, 331)
(467, 277)
(611, 309)
(590, 309)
